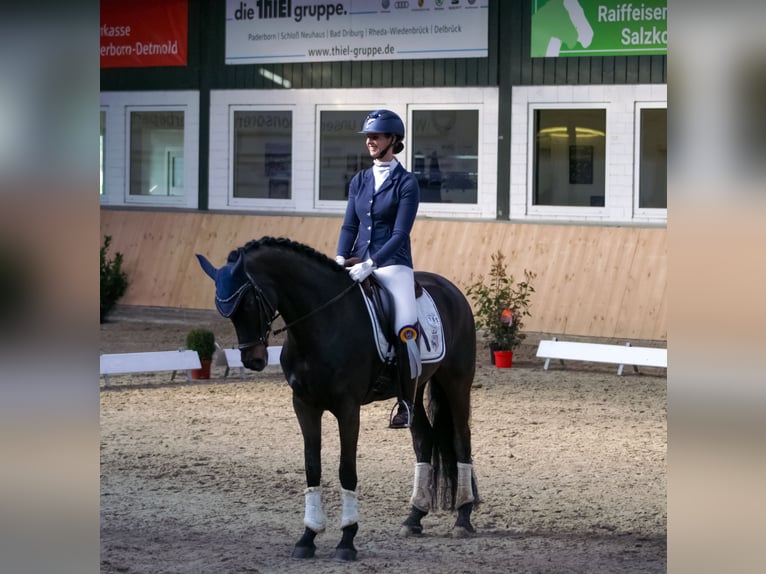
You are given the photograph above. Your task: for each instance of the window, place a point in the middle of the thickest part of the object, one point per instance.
(445, 155)
(263, 159)
(342, 151)
(653, 158)
(101, 139)
(296, 151)
(569, 157)
(156, 153)
(149, 148)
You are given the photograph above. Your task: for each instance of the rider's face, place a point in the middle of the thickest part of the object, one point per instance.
(377, 143)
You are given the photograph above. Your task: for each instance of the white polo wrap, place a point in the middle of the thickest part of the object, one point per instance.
(464, 490)
(350, 514)
(314, 517)
(422, 486)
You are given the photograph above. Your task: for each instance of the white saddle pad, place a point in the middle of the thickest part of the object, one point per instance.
(431, 338)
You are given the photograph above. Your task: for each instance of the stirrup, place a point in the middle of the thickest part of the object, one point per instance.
(391, 416)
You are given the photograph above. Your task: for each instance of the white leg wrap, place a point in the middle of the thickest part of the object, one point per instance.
(464, 490)
(423, 486)
(350, 513)
(314, 517)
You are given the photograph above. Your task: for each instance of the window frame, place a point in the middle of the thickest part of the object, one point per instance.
(174, 200)
(649, 214)
(339, 205)
(463, 209)
(117, 146)
(259, 202)
(565, 211)
(103, 113)
(306, 105)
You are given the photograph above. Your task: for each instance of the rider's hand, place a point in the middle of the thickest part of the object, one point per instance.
(340, 260)
(360, 271)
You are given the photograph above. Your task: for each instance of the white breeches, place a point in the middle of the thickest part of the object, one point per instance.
(400, 280)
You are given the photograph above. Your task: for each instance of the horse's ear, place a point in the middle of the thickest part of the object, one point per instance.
(207, 267)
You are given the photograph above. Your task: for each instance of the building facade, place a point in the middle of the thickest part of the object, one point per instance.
(518, 113)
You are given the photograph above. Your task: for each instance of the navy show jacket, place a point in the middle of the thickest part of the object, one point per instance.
(377, 224)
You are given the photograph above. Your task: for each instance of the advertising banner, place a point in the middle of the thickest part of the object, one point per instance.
(598, 28)
(279, 31)
(144, 33)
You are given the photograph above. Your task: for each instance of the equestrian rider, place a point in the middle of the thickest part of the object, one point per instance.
(382, 205)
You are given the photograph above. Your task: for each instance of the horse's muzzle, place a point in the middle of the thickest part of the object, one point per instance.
(255, 357)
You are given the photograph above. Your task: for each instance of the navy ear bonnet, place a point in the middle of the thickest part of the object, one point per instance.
(231, 281)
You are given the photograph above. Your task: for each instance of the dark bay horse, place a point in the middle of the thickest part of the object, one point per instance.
(331, 363)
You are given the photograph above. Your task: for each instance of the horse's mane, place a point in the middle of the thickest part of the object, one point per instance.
(283, 242)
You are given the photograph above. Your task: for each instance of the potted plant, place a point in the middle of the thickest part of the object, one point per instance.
(202, 341)
(500, 305)
(114, 281)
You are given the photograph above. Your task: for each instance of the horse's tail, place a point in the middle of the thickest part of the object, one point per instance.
(444, 457)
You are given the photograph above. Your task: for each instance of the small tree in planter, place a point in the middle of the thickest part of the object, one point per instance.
(114, 281)
(501, 304)
(202, 341)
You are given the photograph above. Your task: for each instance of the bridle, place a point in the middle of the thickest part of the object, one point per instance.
(267, 309)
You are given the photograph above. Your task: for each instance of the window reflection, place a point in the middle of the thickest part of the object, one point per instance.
(445, 155)
(156, 153)
(342, 151)
(263, 157)
(653, 163)
(569, 162)
(101, 139)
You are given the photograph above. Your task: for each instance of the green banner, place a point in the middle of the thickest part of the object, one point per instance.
(598, 28)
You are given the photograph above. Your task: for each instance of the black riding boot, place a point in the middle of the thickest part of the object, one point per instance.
(407, 386)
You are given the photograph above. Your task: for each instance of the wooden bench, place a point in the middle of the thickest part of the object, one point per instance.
(122, 363)
(234, 360)
(601, 353)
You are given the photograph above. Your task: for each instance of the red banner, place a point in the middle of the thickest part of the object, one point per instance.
(144, 33)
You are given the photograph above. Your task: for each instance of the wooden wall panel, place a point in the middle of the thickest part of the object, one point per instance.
(591, 280)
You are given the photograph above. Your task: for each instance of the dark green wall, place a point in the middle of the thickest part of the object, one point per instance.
(508, 65)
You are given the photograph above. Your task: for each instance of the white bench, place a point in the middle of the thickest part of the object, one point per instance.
(617, 354)
(122, 363)
(234, 360)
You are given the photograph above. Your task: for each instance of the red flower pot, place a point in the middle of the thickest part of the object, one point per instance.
(204, 371)
(503, 359)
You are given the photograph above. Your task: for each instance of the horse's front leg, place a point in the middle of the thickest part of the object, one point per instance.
(310, 421)
(348, 425)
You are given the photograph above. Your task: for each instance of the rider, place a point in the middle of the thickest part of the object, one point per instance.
(382, 204)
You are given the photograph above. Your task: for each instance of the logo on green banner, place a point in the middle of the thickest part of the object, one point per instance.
(598, 28)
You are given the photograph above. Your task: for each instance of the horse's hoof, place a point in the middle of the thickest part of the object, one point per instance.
(303, 552)
(462, 532)
(345, 554)
(407, 530)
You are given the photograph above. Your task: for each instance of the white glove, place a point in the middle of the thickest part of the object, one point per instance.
(360, 271)
(340, 260)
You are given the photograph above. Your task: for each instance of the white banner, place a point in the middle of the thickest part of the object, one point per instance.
(277, 31)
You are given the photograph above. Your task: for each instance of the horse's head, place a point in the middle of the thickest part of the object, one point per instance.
(239, 299)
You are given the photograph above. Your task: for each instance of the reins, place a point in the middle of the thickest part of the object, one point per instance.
(269, 309)
(310, 313)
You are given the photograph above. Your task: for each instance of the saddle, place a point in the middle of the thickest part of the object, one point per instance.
(383, 303)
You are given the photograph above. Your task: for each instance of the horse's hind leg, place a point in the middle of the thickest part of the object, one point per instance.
(422, 490)
(457, 391)
(465, 496)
